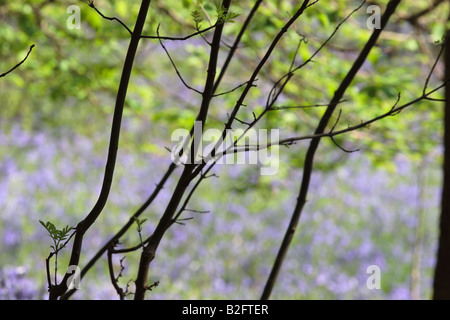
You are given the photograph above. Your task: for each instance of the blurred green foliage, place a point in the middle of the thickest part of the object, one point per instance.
(70, 81)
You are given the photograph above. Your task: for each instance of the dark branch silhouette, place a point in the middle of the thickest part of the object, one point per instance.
(19, 64)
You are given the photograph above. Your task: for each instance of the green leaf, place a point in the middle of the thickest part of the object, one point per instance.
(196, 15)
(56, 234)
(230, 16)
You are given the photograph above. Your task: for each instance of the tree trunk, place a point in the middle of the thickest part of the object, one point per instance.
(441, 285)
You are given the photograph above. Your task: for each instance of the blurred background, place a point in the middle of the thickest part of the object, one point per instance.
(379, 206)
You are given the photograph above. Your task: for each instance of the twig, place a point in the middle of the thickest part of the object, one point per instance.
(273, 93)
(153, 285)
(435, 63)
(332, 138)
(197, 211)
(173, 64)
(114, 280)
(91, 4)
(129, 249)
(177, 221)
(235, 88)
(276, 108)
(18, 65)
(179, 38)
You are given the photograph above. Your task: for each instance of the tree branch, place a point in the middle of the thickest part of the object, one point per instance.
(125, 228)
(179, 38)
(309, 159)
(148, 253)
(174, 66)
(91, 4)
(18, 65)
(85, 224)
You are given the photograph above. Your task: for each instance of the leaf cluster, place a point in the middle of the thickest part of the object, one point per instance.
(57, 235)
(223, 16)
